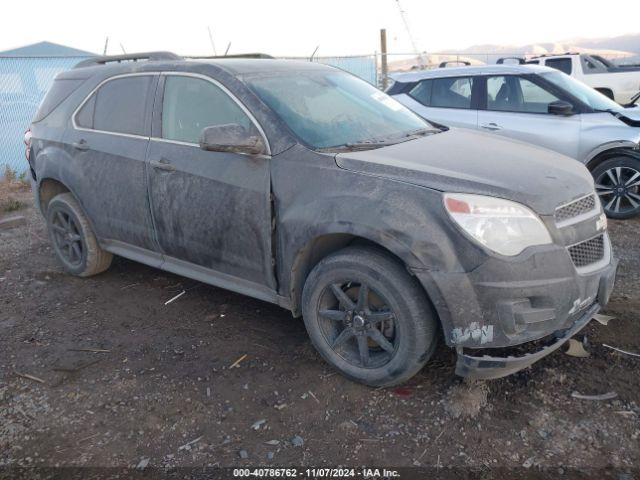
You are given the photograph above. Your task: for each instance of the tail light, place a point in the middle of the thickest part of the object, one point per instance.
(27, 142)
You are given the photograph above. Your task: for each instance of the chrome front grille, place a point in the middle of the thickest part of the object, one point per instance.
(588, 252)
(576, 208)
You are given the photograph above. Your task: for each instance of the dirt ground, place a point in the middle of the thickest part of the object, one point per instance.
(162, 388)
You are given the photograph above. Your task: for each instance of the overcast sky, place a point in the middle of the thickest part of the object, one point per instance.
(296, 27)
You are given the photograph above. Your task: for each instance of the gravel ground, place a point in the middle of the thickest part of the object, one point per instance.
(100, 372)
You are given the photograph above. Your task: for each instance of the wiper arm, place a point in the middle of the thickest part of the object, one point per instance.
(632, 102)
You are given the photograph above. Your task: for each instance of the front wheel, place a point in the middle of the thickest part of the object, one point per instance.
(368, 317)
(618, 186)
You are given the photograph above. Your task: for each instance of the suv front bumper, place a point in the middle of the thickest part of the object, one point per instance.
(506, 304)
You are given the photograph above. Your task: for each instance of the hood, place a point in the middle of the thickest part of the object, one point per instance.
(467, 161)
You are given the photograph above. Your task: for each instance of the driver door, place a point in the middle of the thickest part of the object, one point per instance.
(516, 107)
(211, 210)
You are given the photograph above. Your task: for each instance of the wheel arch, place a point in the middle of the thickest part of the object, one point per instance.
(47, 189)
(324, 244)
(629, 149)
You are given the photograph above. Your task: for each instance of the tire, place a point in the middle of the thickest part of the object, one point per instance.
(395, 307)
(73, 239)
(618, 186)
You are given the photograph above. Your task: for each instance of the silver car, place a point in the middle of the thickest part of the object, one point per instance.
(542, 106)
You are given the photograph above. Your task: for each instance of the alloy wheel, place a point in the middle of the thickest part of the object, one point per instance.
(619, 189)
(67, 238)
(358, 324)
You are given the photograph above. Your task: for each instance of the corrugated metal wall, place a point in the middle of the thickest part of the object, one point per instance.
(23, 83)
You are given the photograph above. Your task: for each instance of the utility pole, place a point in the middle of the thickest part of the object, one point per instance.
(383, 59)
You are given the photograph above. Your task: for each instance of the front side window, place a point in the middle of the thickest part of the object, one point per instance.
(191, 104)
(331, 108)
(562, 64)
(517, 94)
(452, 92)
(118, 106)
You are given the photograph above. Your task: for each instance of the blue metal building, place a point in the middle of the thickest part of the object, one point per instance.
(26, 73)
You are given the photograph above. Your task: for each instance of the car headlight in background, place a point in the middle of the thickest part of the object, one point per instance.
(503, 226)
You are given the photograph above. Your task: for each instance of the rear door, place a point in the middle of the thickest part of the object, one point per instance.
(449, 101)
(517, 107)
(108, 143)
(211, 209)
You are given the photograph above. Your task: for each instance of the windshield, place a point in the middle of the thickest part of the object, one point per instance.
(582, 92)
(330, 109)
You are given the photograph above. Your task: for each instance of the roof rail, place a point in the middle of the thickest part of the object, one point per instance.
(519, 60)
(463, 62)
(544, 55)
(150, 56)
(237, 55)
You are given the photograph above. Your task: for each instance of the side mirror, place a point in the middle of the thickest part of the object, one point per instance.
(231, 137)
(560, 107)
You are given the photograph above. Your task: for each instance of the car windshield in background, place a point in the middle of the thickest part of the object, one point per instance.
(582, 92)
(334, 109)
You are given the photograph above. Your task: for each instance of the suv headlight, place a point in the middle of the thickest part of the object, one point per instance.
(503, 226)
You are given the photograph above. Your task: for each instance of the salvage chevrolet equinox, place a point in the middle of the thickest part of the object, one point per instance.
(301, 185)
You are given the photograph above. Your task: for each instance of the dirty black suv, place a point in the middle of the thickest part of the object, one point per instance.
(299, 184)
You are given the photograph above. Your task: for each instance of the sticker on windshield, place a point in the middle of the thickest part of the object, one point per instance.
(386, 100)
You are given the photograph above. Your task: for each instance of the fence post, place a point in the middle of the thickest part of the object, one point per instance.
(383, 58)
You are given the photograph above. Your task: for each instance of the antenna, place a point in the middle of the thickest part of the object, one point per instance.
(123, 50)
(227, 50)
(106, 44)
(411, 38)
(314, 53)
(213, 45)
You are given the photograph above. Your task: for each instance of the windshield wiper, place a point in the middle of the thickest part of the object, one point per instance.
(632, 102)
(382, 142)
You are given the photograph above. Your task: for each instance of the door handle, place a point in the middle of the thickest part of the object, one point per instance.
(81, 144)
(163, 164)
(491, 126)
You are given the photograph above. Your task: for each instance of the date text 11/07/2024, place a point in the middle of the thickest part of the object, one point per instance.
(366, 473)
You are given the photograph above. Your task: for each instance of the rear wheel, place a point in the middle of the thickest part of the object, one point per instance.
(73, 239)
(368, 317)
(618, 186)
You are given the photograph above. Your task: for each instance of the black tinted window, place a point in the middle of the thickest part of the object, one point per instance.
(118, 106)
(191, 104)
(562, 64)
(452, 92)
(422, 92)
(58, 92)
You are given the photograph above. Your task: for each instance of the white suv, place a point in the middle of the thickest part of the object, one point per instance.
(542, 106)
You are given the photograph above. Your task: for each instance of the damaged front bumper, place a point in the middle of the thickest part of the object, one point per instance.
(537, 302)
(489, 367)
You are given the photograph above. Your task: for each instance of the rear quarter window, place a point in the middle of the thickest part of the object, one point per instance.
(118, 106)
(562, 64)
(58, 93)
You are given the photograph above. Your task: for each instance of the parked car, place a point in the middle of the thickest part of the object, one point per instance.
(617, 83)
(541, 106)
(302, 185)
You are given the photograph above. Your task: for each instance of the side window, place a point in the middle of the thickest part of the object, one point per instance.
(118, 106)
(422, 92)
(517, 94)
(562, 64)
(191, 104)
(532, 62)
(452, 92)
